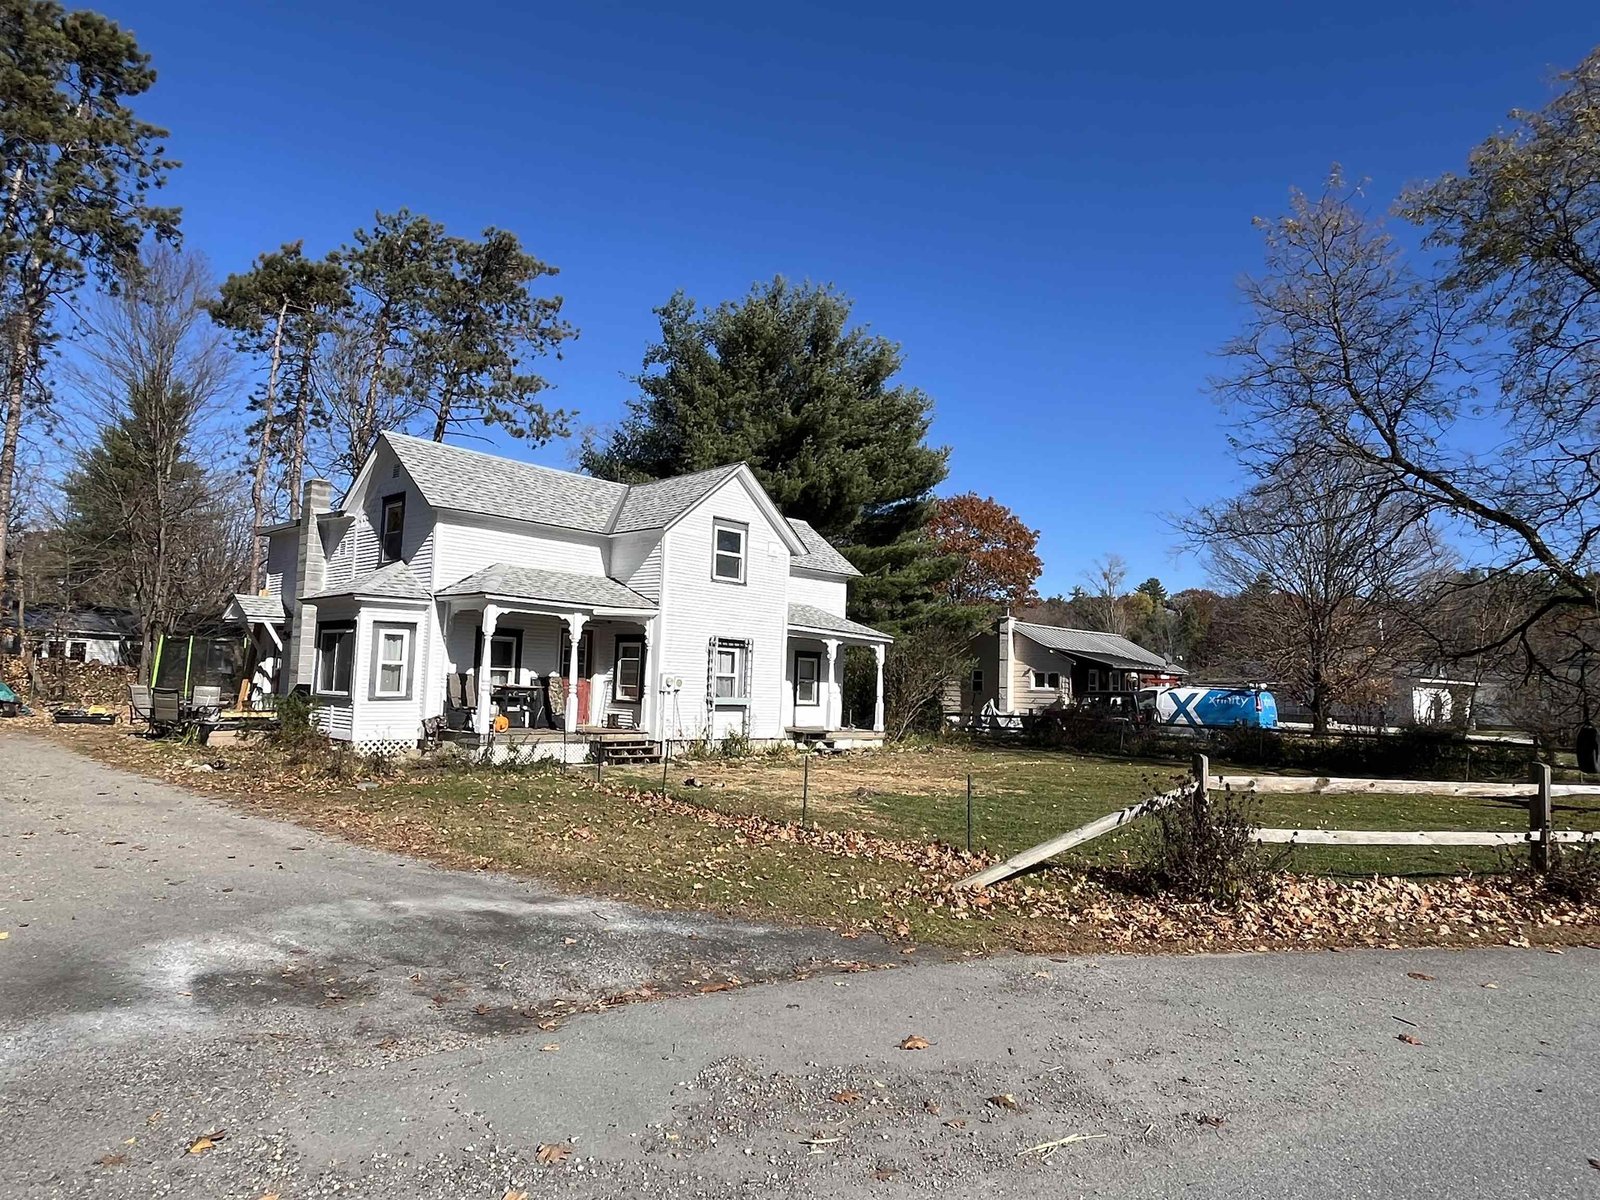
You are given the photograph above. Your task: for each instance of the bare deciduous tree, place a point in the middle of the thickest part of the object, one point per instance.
(164, 528)
(1326, 559)
(1104, 604)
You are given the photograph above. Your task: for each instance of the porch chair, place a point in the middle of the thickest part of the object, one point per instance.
(460, 700)
(206, 701)
(166, 710)
(138, 703)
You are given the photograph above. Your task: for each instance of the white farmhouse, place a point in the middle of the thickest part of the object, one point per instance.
(454, 584)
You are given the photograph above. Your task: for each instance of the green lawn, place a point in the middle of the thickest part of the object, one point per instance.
(1022, 797)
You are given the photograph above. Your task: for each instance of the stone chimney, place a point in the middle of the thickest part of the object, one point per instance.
(1005, 633)
(310, 575)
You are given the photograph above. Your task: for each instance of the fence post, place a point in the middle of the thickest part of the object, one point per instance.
(969, 812)
(1539, 817)
(599, 761)
(805, 785)
(666, 757)
(1201, 768)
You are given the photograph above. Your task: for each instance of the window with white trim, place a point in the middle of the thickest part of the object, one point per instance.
(336, 652)
(627, 679)
(1094, 681)
(391, 670)
(503, 659)
(728, 557)
(728, 671)
(394, 526)
(1047, 680)
(807, 678)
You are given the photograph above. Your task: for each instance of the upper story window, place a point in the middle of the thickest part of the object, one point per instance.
(393, 530)
(728, 557)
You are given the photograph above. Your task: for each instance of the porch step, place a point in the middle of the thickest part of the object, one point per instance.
(641, 750)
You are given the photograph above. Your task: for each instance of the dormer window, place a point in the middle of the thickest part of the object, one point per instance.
(392, 533)
(728, 555)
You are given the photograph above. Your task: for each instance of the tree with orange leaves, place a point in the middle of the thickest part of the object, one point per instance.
(997, 552)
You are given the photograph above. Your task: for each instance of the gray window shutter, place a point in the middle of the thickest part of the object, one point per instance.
(749, 659)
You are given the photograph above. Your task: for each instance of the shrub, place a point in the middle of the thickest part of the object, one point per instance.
(1574, 872)
(297, 731)
(1202, 847)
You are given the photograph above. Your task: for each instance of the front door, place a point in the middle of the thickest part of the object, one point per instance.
(585, 645)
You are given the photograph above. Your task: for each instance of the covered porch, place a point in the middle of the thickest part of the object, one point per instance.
(814, 708)
(267, 625)
(546, 656)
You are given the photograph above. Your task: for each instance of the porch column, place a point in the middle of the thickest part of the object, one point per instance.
(877, 711)
(482, 718)
(647, 691)
(575, 624)
(830, 704)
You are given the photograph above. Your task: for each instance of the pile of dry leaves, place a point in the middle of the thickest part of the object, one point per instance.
(1297, 910)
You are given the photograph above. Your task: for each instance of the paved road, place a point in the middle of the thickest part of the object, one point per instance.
(359, 1024)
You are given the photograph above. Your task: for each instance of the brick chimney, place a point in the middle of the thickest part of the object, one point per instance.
(310, 574)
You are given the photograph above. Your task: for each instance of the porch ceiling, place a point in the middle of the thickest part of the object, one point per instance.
(536, 585)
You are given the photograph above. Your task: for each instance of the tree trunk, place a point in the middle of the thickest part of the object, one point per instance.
(365, 425)
(258, 486)
(16, 388)
(297, 442)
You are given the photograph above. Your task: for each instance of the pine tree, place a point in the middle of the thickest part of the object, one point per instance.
(782, 381)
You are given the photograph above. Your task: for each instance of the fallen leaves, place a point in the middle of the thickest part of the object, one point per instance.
(846, 1097)
(550, 1047)
(1408, 1039)
(112, 1160)
(1006, 1101)
(514, 1195)
(1211, 1119)
(553, 1153)
(207, 1141)
(1418, 975)
(915, 1041)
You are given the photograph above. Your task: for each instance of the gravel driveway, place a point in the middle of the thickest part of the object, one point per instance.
(344, 1022)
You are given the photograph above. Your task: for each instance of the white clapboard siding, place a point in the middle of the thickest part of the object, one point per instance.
(697, 608)
(825, 593)
(283, 552)
(463, 544)
(636, 561)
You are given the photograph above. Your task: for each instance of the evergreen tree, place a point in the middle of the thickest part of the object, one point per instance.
(76, 170)
(781, 381)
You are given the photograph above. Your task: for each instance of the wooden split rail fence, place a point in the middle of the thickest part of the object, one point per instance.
(1538, 837)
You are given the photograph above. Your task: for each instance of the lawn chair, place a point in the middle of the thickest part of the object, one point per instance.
(166, 710)
(138, 704)
(206, 702)
(460, 698)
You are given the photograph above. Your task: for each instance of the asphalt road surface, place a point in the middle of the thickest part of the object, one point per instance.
(343, 1022)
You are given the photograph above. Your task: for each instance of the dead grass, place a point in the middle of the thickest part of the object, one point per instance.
(876, 852)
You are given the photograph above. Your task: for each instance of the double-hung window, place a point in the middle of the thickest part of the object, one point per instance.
(394, 527)
(807, 678)
(728, 557)
(977, 681)
(627, 679)
(336, 652)
(728, 671)
(391, 661)
(503, 655)
(1047, 680)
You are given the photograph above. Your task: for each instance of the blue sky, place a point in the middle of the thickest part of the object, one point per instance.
(1047, 206)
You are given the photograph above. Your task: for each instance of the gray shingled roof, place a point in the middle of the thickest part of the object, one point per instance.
(555, 587)
(1106, 648)
(820, 554)
(257, 609)
(809, 616)
(393, 582)
(472, 481)
(657, 505)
